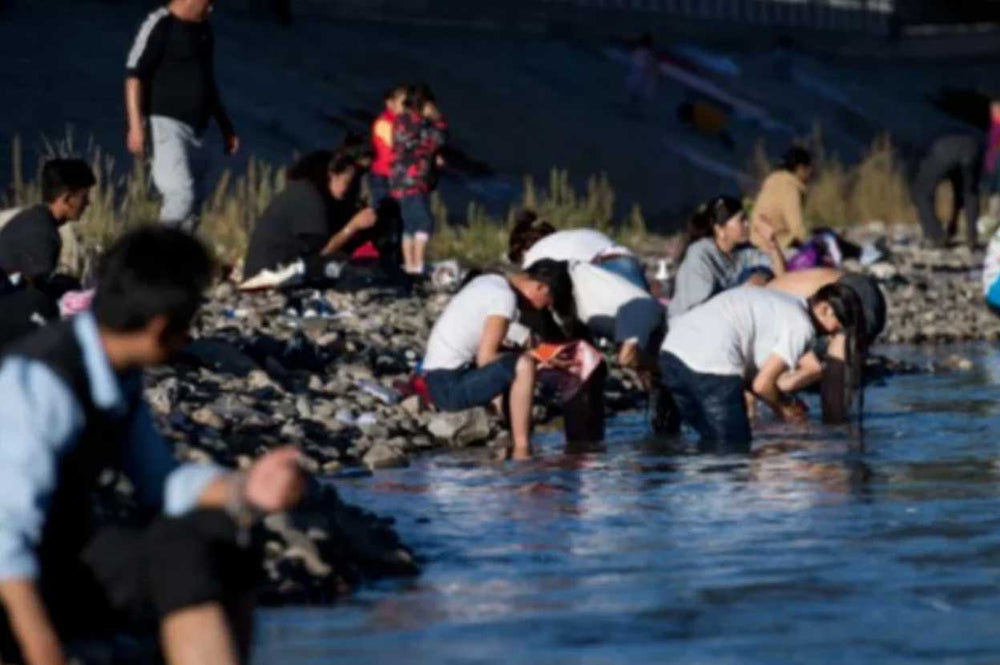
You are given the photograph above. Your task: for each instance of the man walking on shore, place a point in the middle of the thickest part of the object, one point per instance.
(170, 81)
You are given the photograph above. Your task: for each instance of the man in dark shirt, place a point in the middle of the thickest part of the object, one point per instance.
(30, 243)
(957, 158)
(314, 220)
(170, 79)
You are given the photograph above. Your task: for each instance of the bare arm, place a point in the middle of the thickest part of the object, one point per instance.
(364, 219)
(793, 216)
(765, 387)
(383, 130)
(490, 342)
(136, 140)
(30, 623)
(808, 372)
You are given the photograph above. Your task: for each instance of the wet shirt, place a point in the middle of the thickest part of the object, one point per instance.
(736, 332)
(706, 270)
(454, 340)
(175, 61)
(30, 244)
(599, 296)
(416, 141)
(573, 245)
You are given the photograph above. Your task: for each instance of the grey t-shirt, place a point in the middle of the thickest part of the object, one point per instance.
(706, 271)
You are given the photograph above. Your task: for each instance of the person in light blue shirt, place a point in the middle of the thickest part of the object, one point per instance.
(71, 408)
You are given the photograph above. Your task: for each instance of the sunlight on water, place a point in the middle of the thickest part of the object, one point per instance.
(813, 548)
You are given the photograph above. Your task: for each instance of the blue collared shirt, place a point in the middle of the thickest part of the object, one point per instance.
(41, 420)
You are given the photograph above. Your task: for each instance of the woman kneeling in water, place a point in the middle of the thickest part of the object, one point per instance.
(466, 366)
(744, 340)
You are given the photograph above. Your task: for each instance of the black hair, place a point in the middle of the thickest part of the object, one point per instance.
(398, 89)
(528, 229)
(417, 95)
(357, 147)
(63, 176)
(714, 212)
(848, 309)
(795, 157)
(555, 275)
(317, 166)
(149, 272)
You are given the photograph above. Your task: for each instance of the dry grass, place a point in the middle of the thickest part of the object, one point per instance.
(124, 197)
(874, 189)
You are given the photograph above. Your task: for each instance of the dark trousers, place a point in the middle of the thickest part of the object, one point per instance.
(128, 579)
(966, 187)
(712, 404)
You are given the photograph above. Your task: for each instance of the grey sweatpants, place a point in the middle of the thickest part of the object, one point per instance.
(180, 166)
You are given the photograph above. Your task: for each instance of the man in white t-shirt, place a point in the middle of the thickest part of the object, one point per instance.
(744, 340)
(465, 364)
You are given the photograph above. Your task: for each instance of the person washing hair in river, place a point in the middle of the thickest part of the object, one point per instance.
(418, 134)
(71, 408)
(745, 339)
(533, 239)
(310, 230)
(838, 361)
(718, 257)
(466, 364)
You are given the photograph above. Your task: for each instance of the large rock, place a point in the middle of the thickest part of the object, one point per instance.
(384, 456)
(461, 429)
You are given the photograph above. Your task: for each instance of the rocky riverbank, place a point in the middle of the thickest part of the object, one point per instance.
(327, 371)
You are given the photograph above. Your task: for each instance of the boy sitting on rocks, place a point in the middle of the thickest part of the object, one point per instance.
(71, 407)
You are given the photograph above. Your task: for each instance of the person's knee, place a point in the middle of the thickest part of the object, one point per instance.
(178, 204)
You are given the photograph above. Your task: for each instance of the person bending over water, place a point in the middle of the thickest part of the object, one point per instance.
(744, 340)
(466, 364)
(838, 362)
(533, 239)
(718, 256)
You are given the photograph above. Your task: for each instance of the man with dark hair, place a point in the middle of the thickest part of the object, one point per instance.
(170, 79)
(71, 408)
(30, 243)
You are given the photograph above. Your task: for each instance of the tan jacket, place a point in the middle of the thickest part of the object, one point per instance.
(780, 203)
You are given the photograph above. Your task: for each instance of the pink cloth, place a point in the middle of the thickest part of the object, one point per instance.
(74, 302)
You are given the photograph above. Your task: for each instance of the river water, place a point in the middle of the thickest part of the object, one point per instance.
(818, 547)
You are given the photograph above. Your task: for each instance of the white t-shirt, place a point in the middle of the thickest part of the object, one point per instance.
(455, 337)
(572, 245)
(735, 332)
(599, 294)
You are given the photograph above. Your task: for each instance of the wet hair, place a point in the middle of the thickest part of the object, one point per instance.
(795, 157)
(848, 309)
(417, 95)
(64, 176)
(149, 272)
(528, 229)
(714, 212)
(555, 275)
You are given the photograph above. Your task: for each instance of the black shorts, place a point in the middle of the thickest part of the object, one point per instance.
(127, 579)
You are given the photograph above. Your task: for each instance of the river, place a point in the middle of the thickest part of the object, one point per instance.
(821, 546)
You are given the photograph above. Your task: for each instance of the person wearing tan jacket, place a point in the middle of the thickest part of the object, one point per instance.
(779, 203)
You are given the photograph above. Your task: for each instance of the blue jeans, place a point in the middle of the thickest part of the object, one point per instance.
(712, 404)
(416, 212)
(379, 186)
(466, 387)
(628, 267)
